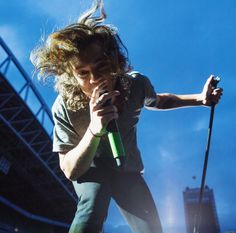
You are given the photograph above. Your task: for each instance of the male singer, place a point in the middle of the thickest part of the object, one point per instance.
(88, 58)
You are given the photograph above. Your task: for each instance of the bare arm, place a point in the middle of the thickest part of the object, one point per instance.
(172, 101)
(208, 96)
(78, 160)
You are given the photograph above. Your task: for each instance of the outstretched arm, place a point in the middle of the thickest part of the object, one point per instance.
(207, 97)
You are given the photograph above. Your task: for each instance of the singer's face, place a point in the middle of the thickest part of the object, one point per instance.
(92, 68)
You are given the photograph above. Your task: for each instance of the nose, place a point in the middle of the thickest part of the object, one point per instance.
(95, 78)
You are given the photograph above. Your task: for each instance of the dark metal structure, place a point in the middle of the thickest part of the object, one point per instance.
(209, 220)
(30, 177)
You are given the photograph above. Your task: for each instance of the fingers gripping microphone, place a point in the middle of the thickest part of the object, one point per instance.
(115, 139)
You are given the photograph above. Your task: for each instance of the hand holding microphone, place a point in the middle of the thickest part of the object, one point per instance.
(115, 138)
(100, 116)
(103, 120)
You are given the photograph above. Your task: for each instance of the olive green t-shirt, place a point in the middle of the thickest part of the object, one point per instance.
(70, 126)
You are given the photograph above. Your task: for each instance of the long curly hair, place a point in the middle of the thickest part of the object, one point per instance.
(54, 56)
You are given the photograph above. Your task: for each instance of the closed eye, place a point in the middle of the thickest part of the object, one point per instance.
(82, 73)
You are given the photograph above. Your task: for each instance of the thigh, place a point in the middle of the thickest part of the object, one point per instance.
(93, 190)
(136, 203)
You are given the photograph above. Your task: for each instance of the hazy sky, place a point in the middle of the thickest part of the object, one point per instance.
(177, 44)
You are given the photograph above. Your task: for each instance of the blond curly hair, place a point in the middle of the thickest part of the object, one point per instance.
(54, 57)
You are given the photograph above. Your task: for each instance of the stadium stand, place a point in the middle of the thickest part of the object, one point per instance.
(35, 196)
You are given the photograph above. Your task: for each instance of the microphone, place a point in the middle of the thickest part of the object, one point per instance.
(116, 143)
(115, 139)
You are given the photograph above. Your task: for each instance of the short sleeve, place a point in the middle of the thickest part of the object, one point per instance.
(65, 137)
(150, 99)
(149, 94)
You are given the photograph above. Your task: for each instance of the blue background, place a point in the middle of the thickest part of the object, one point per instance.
(177, 44)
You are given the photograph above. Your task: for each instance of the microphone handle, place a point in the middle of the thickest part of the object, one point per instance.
(116, 143)
(115, 139)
